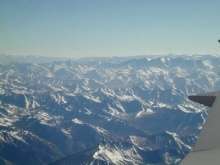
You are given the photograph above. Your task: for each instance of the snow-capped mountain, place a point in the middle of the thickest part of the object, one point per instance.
(121, 111)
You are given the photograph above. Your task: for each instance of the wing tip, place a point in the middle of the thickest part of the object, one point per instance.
(206, 100)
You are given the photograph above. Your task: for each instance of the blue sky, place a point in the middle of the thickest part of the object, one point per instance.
(82, 28)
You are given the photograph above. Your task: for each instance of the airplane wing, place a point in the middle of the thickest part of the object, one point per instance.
(207, 149)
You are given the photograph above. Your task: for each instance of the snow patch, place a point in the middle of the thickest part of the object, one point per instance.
(77, 121)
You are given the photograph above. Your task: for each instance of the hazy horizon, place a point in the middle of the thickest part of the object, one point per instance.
(83, 28)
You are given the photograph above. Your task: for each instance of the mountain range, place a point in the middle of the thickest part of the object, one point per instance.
(101, 111)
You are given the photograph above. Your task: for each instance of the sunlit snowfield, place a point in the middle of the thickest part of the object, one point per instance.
(120, 111)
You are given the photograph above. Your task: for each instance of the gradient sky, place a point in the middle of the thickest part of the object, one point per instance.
(81, 28)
